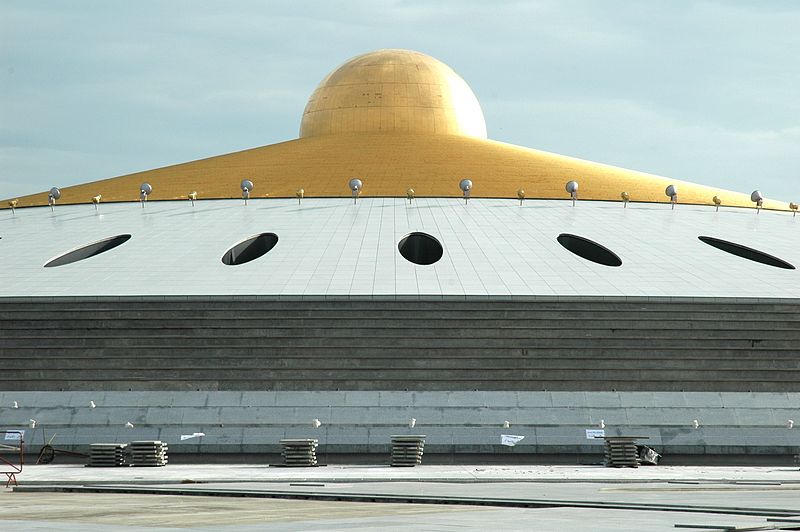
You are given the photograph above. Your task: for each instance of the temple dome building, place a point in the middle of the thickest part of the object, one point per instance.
(394, 262)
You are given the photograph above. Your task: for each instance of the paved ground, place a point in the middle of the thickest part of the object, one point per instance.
(74, 473)
(573, 498)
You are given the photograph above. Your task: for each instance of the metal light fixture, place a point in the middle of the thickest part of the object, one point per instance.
(793, 206)
(13, 205)
(192, 196)
(521, 196)
(96, 200)
(145, 189)
(355, 185)
(300, 193)
(465, 185)
(717, 202)
(758, 199)
(625, 199)
(246, 186)
(672, 193)
(410, 195)
(52, 196)
(572, 188)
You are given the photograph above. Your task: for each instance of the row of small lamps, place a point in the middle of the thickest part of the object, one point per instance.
(355, 185)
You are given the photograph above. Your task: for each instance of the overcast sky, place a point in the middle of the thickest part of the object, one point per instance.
(702, 91)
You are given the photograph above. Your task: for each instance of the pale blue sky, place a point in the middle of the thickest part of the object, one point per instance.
(702, 91)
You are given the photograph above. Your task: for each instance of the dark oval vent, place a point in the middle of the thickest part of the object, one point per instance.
(746, 252)
(420, 248)
(250, 249)
(88, 251)
(589, 250)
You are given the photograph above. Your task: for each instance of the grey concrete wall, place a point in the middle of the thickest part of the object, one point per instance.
(576, 344)
(456, 421)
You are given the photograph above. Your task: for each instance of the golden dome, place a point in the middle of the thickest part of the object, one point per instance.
(363, 120)
(393, 90)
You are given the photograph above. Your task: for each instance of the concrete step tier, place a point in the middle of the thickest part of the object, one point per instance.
(365, 421)
(257, 344)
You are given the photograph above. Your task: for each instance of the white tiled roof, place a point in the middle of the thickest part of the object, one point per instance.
(331, 247)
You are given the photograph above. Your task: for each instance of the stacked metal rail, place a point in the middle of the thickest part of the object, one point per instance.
(407, 450)
(148, 453)
(107, 455)
(622, 451)
(299, 452)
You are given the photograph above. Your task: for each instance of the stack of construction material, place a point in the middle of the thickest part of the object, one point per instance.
(107, 455)
(407, 450)
(148, 453)
(299, 452)
(621, 451)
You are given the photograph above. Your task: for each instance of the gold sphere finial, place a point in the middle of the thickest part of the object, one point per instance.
(409, 194)
(394, 90)
(521, 195)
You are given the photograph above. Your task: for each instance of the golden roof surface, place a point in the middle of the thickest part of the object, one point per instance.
(395, 119)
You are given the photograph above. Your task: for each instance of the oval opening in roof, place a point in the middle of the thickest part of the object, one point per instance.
(746, 252)
(420, 248)
(250, 249)
(88, 251)
(589, 250)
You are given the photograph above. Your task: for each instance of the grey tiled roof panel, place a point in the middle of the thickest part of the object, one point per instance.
(332, 247)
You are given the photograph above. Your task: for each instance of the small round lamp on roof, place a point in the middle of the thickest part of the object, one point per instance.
(192, 196)
(246, 185)
(625, 199)
(300, 193)
(758, 199)
(717, 202)
(572, 188)
(52, 196)
(96, 200)
(521, 196)
(672, 193)
(145, 189)
(13, 204)
(410, 195)
(465, 185)
(355, 185)
(793, 206)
